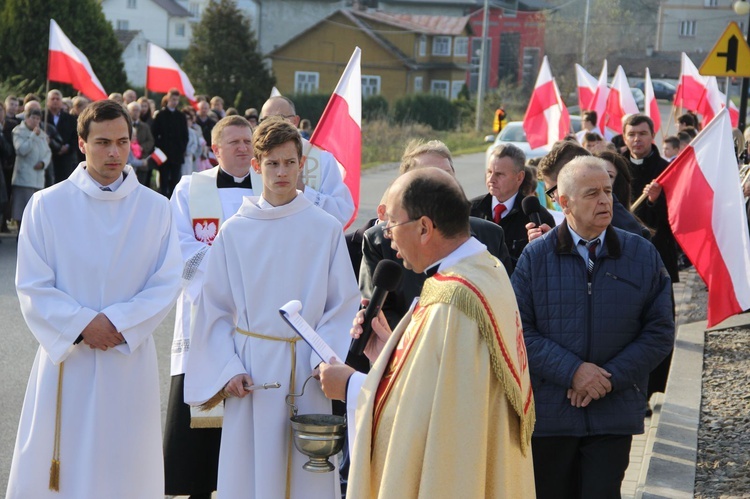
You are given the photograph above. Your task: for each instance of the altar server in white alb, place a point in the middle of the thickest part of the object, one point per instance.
(98, 269)
(278, 247)
(201, 203)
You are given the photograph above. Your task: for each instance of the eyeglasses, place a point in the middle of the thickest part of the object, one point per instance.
(551, 192)
(388, 230)
(285, 116)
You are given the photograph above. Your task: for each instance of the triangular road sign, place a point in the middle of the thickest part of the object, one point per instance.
(730, 56)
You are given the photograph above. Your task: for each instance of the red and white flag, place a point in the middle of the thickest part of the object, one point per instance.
(164, 74)
(713, 101)
(339, 130)
(707, 215)
(690, 87)
(651, 107)
(599, 101)
(547, 119)
(620, 101)
(586, 87)
(67, 64)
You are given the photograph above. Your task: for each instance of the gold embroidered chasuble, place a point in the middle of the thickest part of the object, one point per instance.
(447, 409)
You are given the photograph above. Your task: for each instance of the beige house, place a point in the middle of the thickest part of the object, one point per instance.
(401, 54)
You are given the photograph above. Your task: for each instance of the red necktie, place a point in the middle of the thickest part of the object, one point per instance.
(499, 209)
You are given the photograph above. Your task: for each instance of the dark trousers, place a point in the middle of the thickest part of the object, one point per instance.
(580, 467)
(170, 175)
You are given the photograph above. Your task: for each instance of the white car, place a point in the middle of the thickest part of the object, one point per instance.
(513, 133)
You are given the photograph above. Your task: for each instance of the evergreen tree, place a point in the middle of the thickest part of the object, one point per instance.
(24, 38)
(223, 58)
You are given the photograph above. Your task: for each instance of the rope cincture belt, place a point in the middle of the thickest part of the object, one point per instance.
(293, 344)
(54, 470)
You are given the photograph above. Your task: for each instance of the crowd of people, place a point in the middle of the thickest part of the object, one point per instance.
(515, 357)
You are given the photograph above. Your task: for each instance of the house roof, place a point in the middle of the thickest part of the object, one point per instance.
(428, 25)
(125, 36)
(173, 8)
(522, 5)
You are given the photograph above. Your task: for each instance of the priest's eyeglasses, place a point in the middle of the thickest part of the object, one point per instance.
(551, 192)
(387, 231)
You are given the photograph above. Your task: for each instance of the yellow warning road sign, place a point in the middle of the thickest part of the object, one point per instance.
(730, 56)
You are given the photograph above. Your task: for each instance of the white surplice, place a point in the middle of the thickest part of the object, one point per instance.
(82, 251)
(194, 256)
(261, 259)
(324, 186)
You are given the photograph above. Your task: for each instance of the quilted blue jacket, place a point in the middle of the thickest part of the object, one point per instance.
(621, 321)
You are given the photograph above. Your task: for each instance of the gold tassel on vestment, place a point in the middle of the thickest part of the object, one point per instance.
(458, 295)
(54, 469)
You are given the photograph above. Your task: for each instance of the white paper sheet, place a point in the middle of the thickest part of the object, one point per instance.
(290, 314)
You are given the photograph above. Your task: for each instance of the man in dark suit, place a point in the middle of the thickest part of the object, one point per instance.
(171, 136)
(502, 205)
(377, 247)
(65, 159)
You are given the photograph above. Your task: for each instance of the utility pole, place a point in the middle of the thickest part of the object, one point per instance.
(585, 33)
(482, 60)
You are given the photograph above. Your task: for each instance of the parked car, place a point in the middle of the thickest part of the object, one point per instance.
(513, 133)
(662, 89)
(640, 99)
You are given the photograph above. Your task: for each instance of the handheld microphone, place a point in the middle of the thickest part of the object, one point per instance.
(386, 278)
(531, 208)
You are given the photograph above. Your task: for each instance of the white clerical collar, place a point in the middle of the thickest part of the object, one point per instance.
(469, 248)
(112, 187)
(237, 180)
(636, 161)
(508, 204)
(265, 205)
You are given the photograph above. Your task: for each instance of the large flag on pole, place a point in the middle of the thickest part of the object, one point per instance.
(651, 107)
(599, 101)
(713, 101)
(690, 86)
(339, 130)
(707, 215)
(620, 101)
(546, 120)
(163, 74)
(67, 64)
(586, 87)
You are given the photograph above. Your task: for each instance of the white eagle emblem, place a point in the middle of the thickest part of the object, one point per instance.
(206, 229)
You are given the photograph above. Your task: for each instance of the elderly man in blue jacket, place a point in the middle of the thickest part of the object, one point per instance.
(597, 318)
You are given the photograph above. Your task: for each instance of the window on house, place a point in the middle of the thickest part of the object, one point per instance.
(306, 82)
(131, 4)
(370, 86)
(195, 9)
(461, 46)
(422, 46)
(711, 3)
(687, 28)
(441, 45)
(179, 29)
(418, 84)
(509, 12)
(122, 25)
(440, 87)
(456, 86)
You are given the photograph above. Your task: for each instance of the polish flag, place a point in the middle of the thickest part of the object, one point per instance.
(586, 87)
(164, 74)
(620, 101)
(339, 130)
(690, 87)
(713, 101)
(67, 64)
(547, 119)
(651, 107)
(599, 101)
(707, 215)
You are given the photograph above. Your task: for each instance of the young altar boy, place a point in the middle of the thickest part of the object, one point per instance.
(278, 247)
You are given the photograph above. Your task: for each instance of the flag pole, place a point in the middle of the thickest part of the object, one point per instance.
(148, 63)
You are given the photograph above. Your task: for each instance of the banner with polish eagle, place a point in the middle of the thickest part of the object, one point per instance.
(707, 215)
(651, 107)
(163, 74)
(67, 64)
(339, 130)
(547, 119)
(620, 101)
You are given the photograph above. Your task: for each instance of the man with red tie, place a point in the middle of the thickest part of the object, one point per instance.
(504, 176)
